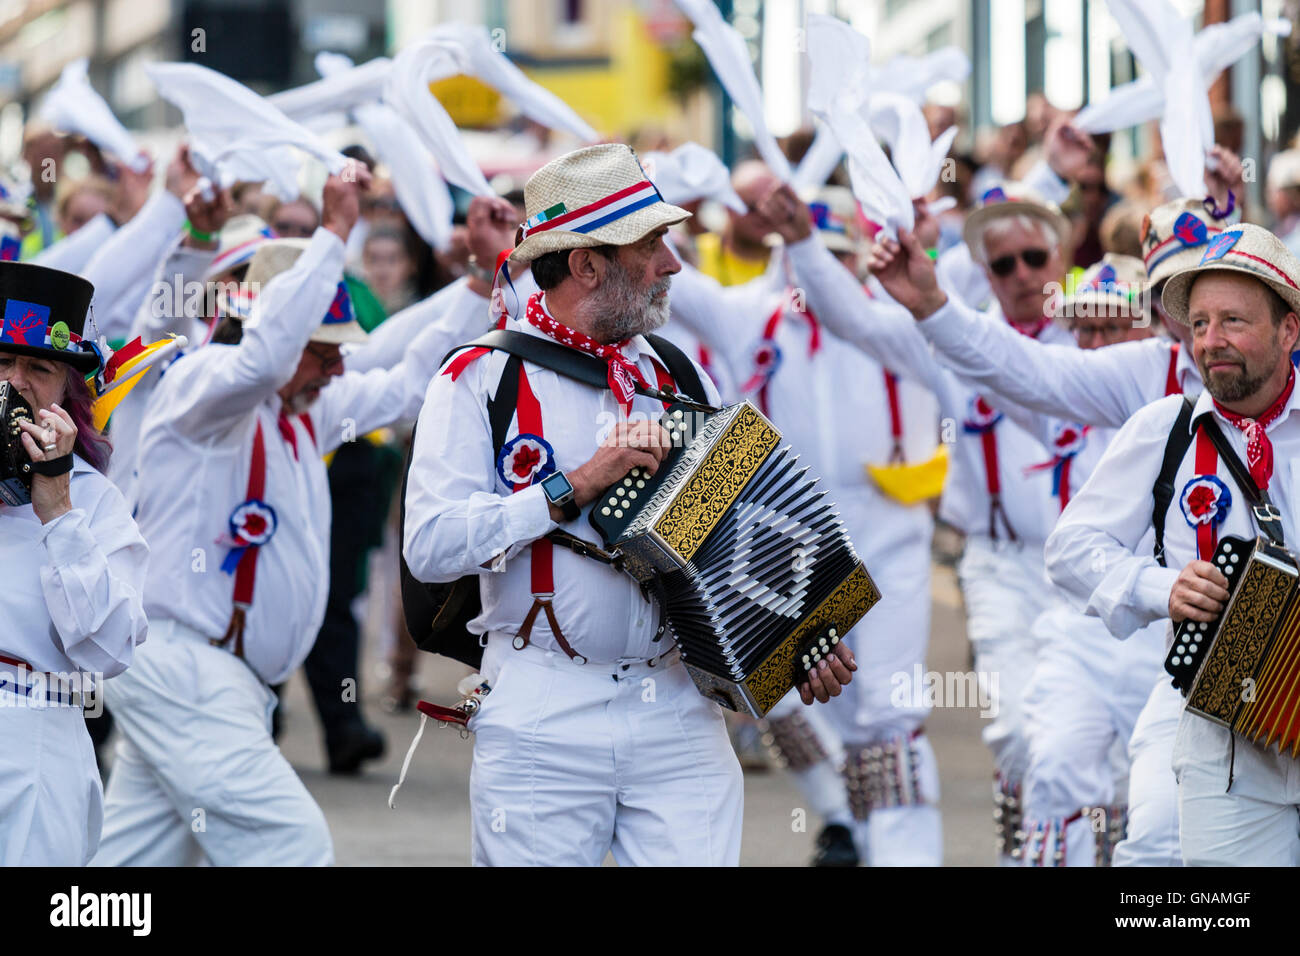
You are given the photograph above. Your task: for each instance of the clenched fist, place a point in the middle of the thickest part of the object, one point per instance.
(1199, 593)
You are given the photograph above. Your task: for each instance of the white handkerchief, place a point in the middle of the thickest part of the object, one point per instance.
(73, 106)
(234, 133)
(729, 57)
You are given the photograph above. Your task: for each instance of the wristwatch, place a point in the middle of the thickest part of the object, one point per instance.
(559, 492)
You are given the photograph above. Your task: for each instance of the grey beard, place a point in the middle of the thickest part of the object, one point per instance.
(1242, 385)
(618, 310)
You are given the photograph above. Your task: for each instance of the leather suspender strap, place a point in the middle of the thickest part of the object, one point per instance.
(1171, 380)
(1162, 494)
(1267, 517)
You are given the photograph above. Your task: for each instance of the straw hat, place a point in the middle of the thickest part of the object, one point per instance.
(835, 216)
(590, 197)
(1248, 249)
(1174, 236)
(1114, 283)
(274, 256)
(1013, 199)
(239, 239)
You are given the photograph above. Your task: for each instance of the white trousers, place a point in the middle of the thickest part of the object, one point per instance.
(575, 761)
(1005, 589)
(1084, 698)
(1152, 838)
(196, 772)
(51, 802)
(1256, 822)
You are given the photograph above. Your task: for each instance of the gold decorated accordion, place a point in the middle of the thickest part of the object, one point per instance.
(15, 465)
(1243, 670)
(751, 565)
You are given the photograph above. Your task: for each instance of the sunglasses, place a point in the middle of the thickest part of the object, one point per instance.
(1003, 266)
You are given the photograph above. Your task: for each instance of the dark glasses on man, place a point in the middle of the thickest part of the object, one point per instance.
(1003, 266)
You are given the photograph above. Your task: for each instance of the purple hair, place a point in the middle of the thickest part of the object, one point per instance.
(91, 446)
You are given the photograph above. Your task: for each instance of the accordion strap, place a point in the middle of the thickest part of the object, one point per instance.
(1266, 514)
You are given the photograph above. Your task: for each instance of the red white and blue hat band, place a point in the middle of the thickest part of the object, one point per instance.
(600, 213)
(1189, 232)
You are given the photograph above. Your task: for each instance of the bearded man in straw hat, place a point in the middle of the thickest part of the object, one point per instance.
(593, 738)
(1238, 803)
(234, 500)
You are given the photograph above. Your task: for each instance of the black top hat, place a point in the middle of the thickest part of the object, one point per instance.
(43, 313)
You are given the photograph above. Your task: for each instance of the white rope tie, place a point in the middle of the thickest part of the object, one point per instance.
(406, 764)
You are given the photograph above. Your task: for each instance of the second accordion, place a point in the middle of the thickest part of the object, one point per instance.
(1243, 670)
(751, 565)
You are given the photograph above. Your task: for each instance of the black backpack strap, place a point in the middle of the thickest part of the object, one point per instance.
(1266, 514)
(558, 358)
(501, 407)
(685, 376)
(1180, 439)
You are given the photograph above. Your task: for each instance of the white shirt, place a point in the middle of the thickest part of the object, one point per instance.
(460, 514)
(832, 406)
(196, 449)
(73, 590)
(121, 269)
(1101, 550)
(887, 332)
(72, 252)
(1099, 386)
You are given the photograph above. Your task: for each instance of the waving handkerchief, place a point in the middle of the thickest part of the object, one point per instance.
(913, 76)
(692, 172)
(341, 87)
(1218, 46)
(470, 49)
(1162, 40)
(420, 188)
(234, 133)
(819, 162)
(408, 93)
(73, 106)
(838, 95)
(729, 58)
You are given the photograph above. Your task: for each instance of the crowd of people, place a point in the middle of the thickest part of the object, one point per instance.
(1029, 364)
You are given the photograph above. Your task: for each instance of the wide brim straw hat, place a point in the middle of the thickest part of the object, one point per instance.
(1246, 249)
(1013, 199)
(1174, 236)
(274, 256)
(238, 242)
(1115, 282)
(594, 196)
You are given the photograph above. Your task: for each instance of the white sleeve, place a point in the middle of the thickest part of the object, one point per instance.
(360, 402)
(221, 385)
(880, 327)
(1095, 552)
(130, 256)
(93, 579)
(71, 253)
(1094, 386)
(455, 520)
(386, 345)
(169, 306)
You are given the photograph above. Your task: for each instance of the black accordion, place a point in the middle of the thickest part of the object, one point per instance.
(1243, 670)
(751, 565)
(15, 465)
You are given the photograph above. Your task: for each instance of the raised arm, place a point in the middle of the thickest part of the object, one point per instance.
(225, 383)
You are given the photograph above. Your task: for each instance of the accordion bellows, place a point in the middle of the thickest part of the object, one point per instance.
(752, 565)
(1243, 670)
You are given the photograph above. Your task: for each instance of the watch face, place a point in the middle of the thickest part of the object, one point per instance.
(557, 486)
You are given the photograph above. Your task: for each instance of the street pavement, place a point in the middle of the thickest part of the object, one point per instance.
(430, 825)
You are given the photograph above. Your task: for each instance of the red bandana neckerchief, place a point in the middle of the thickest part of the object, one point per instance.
(624, 376)
(1259, 450)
